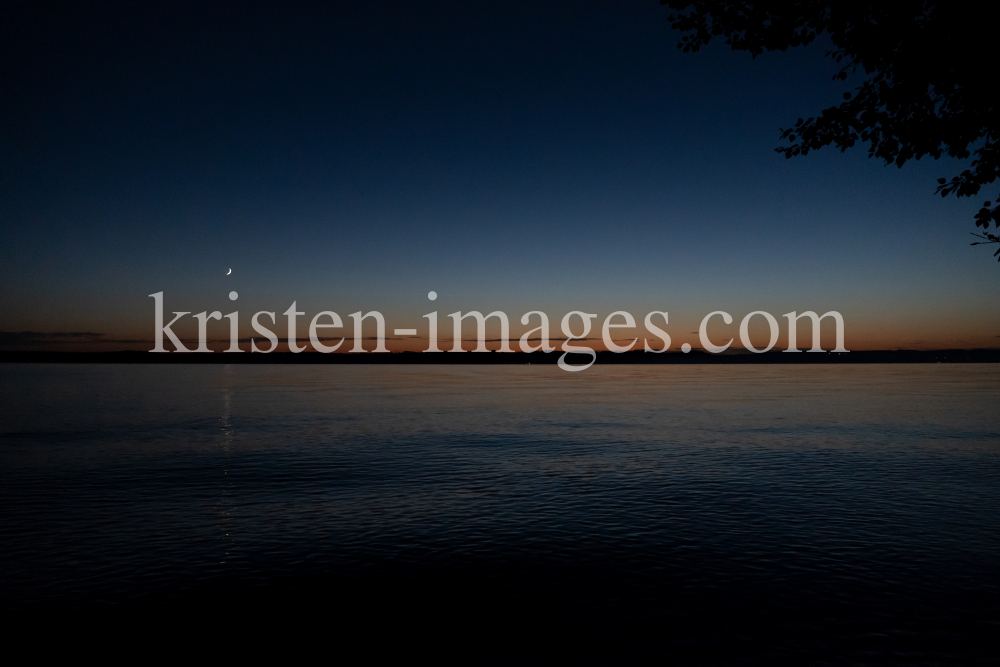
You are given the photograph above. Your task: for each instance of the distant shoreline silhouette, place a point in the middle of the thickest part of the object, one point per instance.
(505, 358)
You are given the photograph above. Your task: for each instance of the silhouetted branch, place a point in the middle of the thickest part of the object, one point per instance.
(927, 65)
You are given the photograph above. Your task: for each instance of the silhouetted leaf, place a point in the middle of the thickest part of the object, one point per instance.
(925, 64)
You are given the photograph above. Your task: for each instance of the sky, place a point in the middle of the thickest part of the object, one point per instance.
(514, 156)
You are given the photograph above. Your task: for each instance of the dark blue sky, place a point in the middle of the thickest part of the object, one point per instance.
(516, 156)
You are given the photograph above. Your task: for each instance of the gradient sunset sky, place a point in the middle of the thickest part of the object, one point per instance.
(511, 156)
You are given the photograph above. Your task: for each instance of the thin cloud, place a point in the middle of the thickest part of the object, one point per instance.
(261, 339)
(19, 336)
(56, 337)
(514, 340)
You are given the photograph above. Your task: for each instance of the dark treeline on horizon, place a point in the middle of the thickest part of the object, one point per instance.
(507, 358)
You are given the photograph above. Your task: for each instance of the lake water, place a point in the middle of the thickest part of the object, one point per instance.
(711, 514)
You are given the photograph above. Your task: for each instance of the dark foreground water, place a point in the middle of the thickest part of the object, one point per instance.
(701, 514)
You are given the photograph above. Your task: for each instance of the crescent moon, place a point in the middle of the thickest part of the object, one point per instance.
(229, 271)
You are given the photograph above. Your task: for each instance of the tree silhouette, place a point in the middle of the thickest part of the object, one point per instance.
(930, 86)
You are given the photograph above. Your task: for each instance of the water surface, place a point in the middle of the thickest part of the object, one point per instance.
(842, 513)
